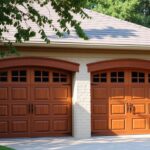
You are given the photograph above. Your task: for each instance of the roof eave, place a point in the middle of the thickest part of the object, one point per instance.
(89, 45)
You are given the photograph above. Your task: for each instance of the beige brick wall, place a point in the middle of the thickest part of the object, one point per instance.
(81, 84)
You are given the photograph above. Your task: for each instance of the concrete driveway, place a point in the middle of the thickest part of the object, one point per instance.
(141, 142)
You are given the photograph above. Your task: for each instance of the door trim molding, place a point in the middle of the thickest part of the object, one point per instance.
(119, 63)
(39, 62)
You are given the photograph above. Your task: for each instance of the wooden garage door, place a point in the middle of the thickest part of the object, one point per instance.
(35, 102)
(120, 102)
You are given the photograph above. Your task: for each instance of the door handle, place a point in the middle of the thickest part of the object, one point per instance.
(128, 107)
(32, 108)
(29, 108)
(131, 108)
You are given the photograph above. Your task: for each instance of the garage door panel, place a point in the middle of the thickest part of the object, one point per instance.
(138, 93)
(4, 126)
(41, 109)
(117, 109)
(100, 124)
(19, 126)
(41, 93)
(99, 93)
(117, 93)
(138, 123)
(33, 103)
(139, 109)
(19, 93)
(41, 126)
(4, 110)
(60, 109)
(100, 109)
(127, 101)
(60, 93)
(19, 109)
(60, 125)
(118, 124)
(3, 93)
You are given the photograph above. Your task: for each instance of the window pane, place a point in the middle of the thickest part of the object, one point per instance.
(103, 75)
(142, 80)
(15, 79)
(63, 79)
(37, 79)
(22, 79)
(37, 73)
(23, 73)
(45, 73)
(3, 79)
(134, 74)
(134, 80)
(15, 73)
(96, 75)
(63, 75)
(113, 74)
(120, 79)
(120, 74)
(45, 79)
(113, 79)
(95, 79)
(55, 79)
(141, 74)
(103, 80)
(3, 73)
(56, 74)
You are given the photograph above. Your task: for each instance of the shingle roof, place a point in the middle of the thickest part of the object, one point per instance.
(101, 29)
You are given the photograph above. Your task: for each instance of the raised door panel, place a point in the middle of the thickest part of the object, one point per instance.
(100, 109)
(117, 93)
(4, 127)
(100, 124)
(20, 126)
(19, 110)
(118, 124)
(99, 93)
(60, 94)
(19, 93)
(139, 109)
(3, 93)
(117, 109)
(41, 93)
(60, 109)
(40, 126)
(41, 109)
(4, 110)
(60, 125)
(138, 93)
(138, 123)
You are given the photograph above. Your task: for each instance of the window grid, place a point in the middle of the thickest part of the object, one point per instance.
(100, 78)
(59, 77)
(138, 77)
(117, 77)
(4, 76)
(19, 76)
(41, 76)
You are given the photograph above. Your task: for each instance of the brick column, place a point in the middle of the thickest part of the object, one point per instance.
(81, 103)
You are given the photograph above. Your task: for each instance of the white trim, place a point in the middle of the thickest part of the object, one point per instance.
(87, 45)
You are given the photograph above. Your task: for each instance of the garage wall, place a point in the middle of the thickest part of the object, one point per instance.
(81, 83)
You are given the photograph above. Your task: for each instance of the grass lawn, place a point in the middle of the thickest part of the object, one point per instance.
(5, 148)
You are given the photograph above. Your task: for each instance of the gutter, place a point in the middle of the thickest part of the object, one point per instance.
(85, 45)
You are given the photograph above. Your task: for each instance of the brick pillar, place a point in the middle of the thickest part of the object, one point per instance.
(81, 103)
